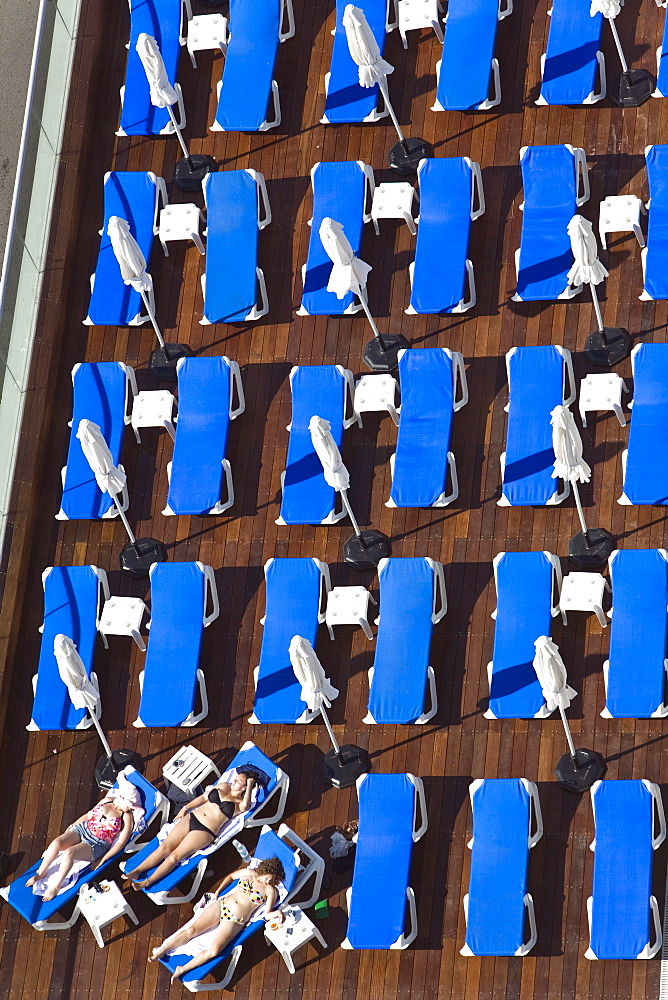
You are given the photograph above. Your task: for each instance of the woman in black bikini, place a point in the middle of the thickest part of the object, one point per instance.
(199, 823)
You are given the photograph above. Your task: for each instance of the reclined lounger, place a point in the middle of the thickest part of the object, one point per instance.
(556, 183)
(662, 63)
(342, 191)
(300, 863)
(537, 382)
(346, 102)
(172, 675)
(295, 602)
(528, 588)
(237, 208)
(412, 601)
(388, 818)
(449, 190)
(573, 59)
(422, 461)
(655, 254)
(134, 196)
(467, 73)
(102, 394)
(645, 462)
(164, 21)
(498, 902)
(322, 391)
(635, 672)
(206, 407)
(38, 913)
(625, 836)
(73, 597)
(248, 80)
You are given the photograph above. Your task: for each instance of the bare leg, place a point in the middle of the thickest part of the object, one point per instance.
(194, 841)
(61, 843)
(222, 937)
(207, 919)
(172, 840)
(80, 852)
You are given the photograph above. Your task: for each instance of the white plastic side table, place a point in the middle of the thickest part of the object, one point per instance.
(375, 393)
(123, 616)
(602, 392)
(180, 222)
(419, 14)
(393, 200)
(102, 908)
(349, 606)
(188, 768)
(296, 930)
(153, 408)
(621, 214)
(584, 592)
(206, 31)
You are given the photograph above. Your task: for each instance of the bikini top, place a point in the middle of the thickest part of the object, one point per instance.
(103, 827)
(227, 808)
(253, 894)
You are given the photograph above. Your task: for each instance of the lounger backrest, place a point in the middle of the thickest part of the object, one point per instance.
(656, 258)
(346, 100)
(468, 50)
(162, 20)
(231, 246)
(249, 64)
(646, 474)
(574, 38)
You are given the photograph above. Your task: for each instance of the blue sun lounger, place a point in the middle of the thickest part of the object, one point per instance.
(644, 462)
(556, 183)
(346, 102)
(389, 805)
(412, 601)
(206, 408)
(248, 80)
(322, 391)
(72, 607)
(38, 913)
(342, 191)
(573, 59)
(538, 378)
(428, 377)
(164, 20)
(172, 674)
(662, 63)
(528, 588)
(655, 254)
(498, 903)
(135, 196)
(102, 393)
(635, 672)
(233, 285)
(451, 195)
(467, 74)
(622, 911)
(295, 602)
(300, 863)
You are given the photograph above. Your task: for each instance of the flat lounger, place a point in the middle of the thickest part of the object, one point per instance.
(528, 587)
(467, 73)
(346, 102)
(635, 672)
(556, 183)
(537, 382)
(172, 675)
(322, 391)
(72, 606)
(388, 828)
(498, 902)
(342, 191)
(300, 863)
(451, 195)
(412, 601)
(655, 254)
(134, 196)
(422, 461)
(206, 407)
(295, 601)
(573, 59)
(625, 836)
(645, 462)
(250, 57)
(102, 393)
(237, 208)
(38, 913)
(164, 21)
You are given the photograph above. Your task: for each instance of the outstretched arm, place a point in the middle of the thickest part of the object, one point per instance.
(184, 810)
(229, 879)
(272, 899)
(121, 840)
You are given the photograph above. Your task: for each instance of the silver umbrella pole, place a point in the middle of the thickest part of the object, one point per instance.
(330, 731)
(578, 504)
(103, 739)
(382, 83)
(571, 745)
(353, 519)
(597, 308)
(151, 316)
(126, 525)
(361, 295)
(179, 136)
(613, 28)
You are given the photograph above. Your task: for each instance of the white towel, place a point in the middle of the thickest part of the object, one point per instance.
(42, 886)
(127, 794)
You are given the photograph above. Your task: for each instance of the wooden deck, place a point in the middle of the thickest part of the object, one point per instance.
(47, 778)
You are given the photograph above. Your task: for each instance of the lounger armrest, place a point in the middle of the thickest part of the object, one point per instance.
(391, 6)
(325, 587)
(286, 8)
(369, 188)
(405, 940)
(212, 590)
(160, 196)
(348, 395)
(418, 832)
(533, 933)
(186, 15)
(440, 594)
(477, 192)
(569, 394)
(581, 174)
(534, 812)
(235, 381)
(130, 390)
(311, 865)
(505, 11)
(459, 375)
(658, 814)
(556, 585)
(263, 206)
(102, 589)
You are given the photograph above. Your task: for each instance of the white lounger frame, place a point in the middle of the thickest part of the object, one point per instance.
(658, 814)
(493, 100)
(404, 940)
(234, 412)
(591, 98)
(659, 52)
(569, 379)
(623, 499)
(458, 376)
(645, 296)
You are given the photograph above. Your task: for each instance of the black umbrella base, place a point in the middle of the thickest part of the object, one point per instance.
(632, 89)
(342, 770)
(108, 768)
(137, 559)
(380, 355)
(189, 178)
(580, 774)
(594, 555)
(608, 347)
(405, 156)
(163, 361)
(366, 553)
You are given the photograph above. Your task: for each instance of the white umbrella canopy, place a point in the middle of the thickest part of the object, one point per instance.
(335, 472)
(608, 8)
(551, 674)
(317, 691)
(363, 48)
(108, 476)
(587, 267)
(80, 688)
(163, 94)
(128, 254)
(349, 273)
(569, 464)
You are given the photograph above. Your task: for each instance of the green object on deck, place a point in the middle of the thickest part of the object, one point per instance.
(321, 910)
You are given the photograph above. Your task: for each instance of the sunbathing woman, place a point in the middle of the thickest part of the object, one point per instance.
(229, 916)
(199, 824)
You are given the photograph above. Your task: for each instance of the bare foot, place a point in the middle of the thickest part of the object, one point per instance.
(143, 884)
(178, 972)
(48, 897)
(31, 881)
(155, 954)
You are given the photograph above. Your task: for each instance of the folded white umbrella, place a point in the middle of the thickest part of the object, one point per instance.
(132, 264)
(610, 9)
(109, 477)
(364, 52)
(335, 473)
(586, 267)
(349, 273)
(82, 691)
(163, 95)
(316, 689)
(551, 674)
(569, 464)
